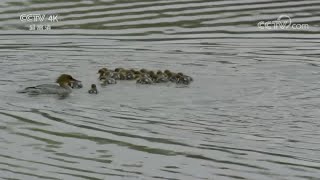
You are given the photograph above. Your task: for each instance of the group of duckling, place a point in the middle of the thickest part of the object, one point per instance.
(142, 76)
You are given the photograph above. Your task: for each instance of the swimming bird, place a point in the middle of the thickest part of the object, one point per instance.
(107, 80)
(144, 79)
(160, 77)
(183, 79)
(61, 88)
(93, 89)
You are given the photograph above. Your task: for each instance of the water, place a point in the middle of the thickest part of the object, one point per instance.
(251, 113)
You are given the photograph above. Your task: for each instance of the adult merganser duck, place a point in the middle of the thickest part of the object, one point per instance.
(61, 88)
(93, 89)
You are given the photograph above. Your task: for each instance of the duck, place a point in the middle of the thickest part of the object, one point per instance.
(106, 78)
(129, 75)
(122, 75)
(183, 79)
(152, 75)
(144, 79)
(144, 70)
(62, 87)
(172, 77)
(116, 76)
(93, 89)
(118, 69)
(161, 77)
(102, 71)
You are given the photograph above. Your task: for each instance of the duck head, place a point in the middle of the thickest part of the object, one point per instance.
(93, 86)
(66, 80)
(118, 69)
(102, 71)
(143, 71)
(167, 72)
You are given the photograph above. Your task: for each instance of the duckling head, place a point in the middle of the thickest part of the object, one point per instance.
(143, 70)
(180, 73)
(118, 69)
(151, 73)
(167, 71)
(122, 75)
(102, 70)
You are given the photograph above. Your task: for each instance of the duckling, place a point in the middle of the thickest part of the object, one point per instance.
(152, 75)
(173, 77)
(105, 80)
(118, 69)
(62, 87)
(159, 72)
(144, 79)
(167, 72)
(122, 75)
(143, 70)
(183, 79)
(93, 89)
(102, 71)
(116, 76)
(129, 75)
(133, 71)
(161, 78)
(137, 75)
(187, 78)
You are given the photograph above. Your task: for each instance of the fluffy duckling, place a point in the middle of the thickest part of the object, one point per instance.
(183, 79)
(152, 75)
(102, 72)
(122, 75)
(185, 76)
(143, 71)
(161, 78)
(106, 79)
(118, 69)
(129, 75)
(144, 79)
(93, 89)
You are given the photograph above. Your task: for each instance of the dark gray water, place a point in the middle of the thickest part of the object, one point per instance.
(251, 113)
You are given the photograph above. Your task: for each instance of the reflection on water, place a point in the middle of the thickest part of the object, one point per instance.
(251, 113)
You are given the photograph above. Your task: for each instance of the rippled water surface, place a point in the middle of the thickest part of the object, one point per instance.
(251, 113)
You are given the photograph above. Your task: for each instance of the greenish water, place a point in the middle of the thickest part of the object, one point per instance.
(251, 113)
